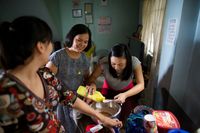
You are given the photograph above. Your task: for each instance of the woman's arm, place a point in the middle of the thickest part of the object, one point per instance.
(86, 109)
(136, 89)
(95, 74)
(52, 67)
(139, 82)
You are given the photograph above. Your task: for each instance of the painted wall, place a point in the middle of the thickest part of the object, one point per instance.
(193, 85)
(179, 65)
(124, 19)
(173, 11)
(58, 14)
(53, 8)
(10, 9)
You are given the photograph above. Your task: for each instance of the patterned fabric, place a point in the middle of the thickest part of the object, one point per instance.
(22, 111)
(72, 73)
(134, 123)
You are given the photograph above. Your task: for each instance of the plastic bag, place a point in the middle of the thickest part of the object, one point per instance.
(134, 122)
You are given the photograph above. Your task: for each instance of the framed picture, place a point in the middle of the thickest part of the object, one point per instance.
(88, 19)
(76, 13)
(88, 8)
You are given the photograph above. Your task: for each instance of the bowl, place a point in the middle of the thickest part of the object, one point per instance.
(110, 109)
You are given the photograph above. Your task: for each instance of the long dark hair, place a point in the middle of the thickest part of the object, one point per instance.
(76, 30)
(121, 50)
(18, 39)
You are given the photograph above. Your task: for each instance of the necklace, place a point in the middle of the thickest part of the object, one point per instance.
(77, 66)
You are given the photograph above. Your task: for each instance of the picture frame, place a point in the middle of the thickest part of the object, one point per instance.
(88, 8)
(88, 19)
(76, 13)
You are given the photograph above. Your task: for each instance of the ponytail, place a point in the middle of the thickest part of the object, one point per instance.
(19, 38)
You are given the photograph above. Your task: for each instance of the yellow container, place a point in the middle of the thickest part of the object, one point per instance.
(97, 96)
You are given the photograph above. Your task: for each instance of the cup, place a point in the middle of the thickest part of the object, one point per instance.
(150, 124)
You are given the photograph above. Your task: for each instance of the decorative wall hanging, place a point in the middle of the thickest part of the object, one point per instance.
(75, 3)
(88, 8)
(76, 13)
(88, 19)
(104, 24)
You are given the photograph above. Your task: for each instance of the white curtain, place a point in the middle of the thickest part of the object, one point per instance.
(152, 20)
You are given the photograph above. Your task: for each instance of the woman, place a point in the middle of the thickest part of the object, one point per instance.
(119, 69)
(71, 66)
(29, 94)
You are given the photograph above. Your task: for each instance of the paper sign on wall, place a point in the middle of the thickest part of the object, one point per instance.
(104, 24)
(104, 20)
(171, 31)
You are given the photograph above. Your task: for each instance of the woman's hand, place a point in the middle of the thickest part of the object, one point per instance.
(120, 98)
(90, 90)
(102, 119)
(108, 122)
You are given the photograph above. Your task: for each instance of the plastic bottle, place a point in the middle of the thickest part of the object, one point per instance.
(97, 96)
